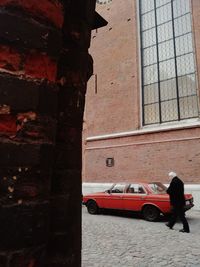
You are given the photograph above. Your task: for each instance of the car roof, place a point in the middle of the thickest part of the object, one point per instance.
(135, 182)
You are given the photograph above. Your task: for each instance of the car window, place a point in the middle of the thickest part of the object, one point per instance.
(118, 188)
(158, 188)
(135, 189)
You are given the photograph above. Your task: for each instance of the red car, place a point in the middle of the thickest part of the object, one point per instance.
(150, 199)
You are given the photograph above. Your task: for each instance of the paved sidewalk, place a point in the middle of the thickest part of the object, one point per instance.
(118, 241)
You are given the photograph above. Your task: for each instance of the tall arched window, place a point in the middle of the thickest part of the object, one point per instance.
(169, 87)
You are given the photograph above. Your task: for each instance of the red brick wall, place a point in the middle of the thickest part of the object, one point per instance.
(115, 54)
(29, 51)
(44, 68)
(115, 108)
(146, 156)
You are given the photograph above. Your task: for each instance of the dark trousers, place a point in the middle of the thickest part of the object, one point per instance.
(178, 212)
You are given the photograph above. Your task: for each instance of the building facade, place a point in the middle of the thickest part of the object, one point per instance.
(142, 106)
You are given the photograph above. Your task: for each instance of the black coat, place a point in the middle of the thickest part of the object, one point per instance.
(176, 192)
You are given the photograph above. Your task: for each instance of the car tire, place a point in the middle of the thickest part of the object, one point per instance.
(92, 207)
(150, 213)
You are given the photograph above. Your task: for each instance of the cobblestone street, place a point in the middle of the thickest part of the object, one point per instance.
(128, 241)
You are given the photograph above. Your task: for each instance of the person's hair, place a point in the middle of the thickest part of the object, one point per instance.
(172, 174)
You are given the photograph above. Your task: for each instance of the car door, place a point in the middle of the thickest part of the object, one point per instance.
(134, 197)
(113, 199)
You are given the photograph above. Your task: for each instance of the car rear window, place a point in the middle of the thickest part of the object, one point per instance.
(158, 188)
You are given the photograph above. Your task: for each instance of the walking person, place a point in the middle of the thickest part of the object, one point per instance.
(177, 201)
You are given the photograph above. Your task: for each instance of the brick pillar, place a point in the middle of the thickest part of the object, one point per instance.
(74, 69)
(44, 68)
(30, 44)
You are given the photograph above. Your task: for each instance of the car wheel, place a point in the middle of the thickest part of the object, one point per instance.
(92, 207)
(150, 213)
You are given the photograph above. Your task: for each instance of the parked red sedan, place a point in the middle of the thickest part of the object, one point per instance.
(150, 199)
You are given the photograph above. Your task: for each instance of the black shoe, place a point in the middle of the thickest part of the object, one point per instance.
(184, 231)
(167, 224)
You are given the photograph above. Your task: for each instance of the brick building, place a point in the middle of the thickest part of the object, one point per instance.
(142, 106)
(44, 69)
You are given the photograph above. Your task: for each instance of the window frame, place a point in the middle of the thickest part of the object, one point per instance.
(144, 64)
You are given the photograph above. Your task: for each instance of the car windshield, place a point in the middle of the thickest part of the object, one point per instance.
(158, 188)
(118, 188)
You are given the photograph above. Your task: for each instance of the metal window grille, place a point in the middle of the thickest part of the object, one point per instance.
(169, 87)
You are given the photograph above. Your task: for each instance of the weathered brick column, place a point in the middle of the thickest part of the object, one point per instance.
(74, 69)
(30, 44)
(44, 68)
